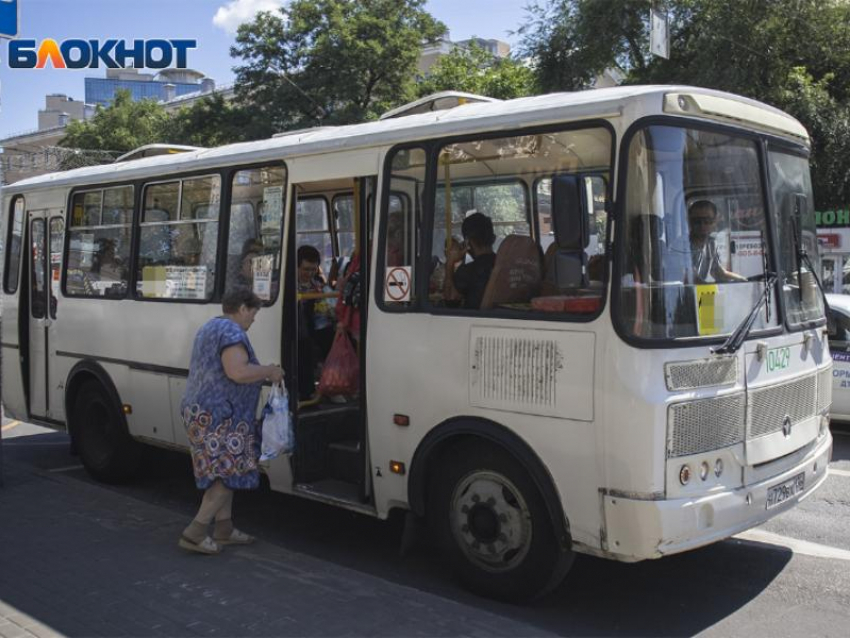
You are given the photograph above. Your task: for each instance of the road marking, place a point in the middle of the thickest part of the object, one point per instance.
(69, 468)
(797, 546)
(839, 472)
(10, 425)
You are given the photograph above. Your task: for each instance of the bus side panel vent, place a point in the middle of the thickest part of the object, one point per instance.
(527, 371)
(703, 373)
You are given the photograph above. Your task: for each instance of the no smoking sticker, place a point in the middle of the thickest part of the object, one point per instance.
(397, 284)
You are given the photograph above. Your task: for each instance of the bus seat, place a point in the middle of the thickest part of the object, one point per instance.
(517, 273)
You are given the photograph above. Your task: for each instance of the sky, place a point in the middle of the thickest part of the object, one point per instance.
(211, 22)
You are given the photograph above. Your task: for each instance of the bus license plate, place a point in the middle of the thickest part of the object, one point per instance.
(780, 493)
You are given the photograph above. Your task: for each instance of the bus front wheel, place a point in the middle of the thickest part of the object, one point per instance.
(493, 523)
(106, 449)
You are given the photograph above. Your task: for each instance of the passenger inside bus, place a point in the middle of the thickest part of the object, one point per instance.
(245, 277)
(315, 322)
(467, 282)
(107, 266)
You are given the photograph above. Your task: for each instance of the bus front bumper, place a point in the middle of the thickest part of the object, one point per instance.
(638, 529)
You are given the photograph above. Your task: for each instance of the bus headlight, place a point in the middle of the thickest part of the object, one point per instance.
(685, 475)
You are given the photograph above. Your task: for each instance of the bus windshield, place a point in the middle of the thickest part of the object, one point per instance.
(695, 248)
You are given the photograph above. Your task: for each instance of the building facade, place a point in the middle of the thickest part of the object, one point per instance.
(430, 53)
(163, 86)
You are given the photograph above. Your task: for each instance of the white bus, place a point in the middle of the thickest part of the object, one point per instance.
(603, 396)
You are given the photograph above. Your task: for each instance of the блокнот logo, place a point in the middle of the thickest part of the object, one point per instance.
(78, 53)
(113, 54)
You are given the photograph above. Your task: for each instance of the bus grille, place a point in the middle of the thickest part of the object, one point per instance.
(768, 406)
(705, 425)
(689, 375)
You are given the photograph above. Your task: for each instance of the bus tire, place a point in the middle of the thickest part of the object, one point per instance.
(106, 449)
(493, 525)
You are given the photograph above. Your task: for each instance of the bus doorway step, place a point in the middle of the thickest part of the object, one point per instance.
(345, 461)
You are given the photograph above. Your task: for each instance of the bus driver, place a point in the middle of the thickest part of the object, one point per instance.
(702, 216)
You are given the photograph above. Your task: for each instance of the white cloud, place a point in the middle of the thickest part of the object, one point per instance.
(236, 12)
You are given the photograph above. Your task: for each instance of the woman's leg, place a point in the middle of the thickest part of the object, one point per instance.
(223, 525)
(223, 530)
(215, 498)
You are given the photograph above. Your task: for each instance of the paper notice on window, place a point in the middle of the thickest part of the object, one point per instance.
(709, 312)
(261, 269)
(272, 209)
(186, 282)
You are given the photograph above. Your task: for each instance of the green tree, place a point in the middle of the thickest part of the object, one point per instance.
(122, 126)
(572, 41)
(330, 61)
(212, 121)
(474, 70)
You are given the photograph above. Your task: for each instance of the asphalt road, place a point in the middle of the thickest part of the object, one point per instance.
(791, 577)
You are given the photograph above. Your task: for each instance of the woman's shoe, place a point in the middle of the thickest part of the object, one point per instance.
(206, 546)
(236, 538)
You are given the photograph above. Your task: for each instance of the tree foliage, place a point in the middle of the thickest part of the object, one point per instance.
(793, 54)
(331, 61)
(474, 70)
(122, 126)
(212, 121)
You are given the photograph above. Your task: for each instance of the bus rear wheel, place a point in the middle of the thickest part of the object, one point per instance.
(493, 523)
(106, 449)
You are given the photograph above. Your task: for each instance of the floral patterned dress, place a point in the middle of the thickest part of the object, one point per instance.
(219, 414)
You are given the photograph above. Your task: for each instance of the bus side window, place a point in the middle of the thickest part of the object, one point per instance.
(97, 262)
(13, 245)
(254, 238)
(313, 228)
(399, 227)
(178, 239)
(482, 200)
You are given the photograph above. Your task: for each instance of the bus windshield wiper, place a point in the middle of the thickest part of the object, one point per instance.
(740, 333)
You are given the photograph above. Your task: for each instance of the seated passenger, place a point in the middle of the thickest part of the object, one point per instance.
(245, 277)
(702, 216)
(468, 281)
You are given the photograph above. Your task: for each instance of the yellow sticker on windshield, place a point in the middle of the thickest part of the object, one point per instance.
(707, 309)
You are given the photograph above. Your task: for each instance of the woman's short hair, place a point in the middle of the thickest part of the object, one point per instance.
(235, 299)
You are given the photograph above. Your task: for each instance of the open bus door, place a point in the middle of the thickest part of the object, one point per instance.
(330, 460)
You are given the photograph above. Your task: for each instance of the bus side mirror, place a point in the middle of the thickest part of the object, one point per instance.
(569, 218)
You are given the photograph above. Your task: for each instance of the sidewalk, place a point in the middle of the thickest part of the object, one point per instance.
(81, 560)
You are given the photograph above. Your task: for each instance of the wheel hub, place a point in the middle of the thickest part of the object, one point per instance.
(490, 521)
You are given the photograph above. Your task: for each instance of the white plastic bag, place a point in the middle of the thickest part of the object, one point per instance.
(278, 437)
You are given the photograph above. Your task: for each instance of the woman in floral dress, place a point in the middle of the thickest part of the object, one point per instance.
(219, 409)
